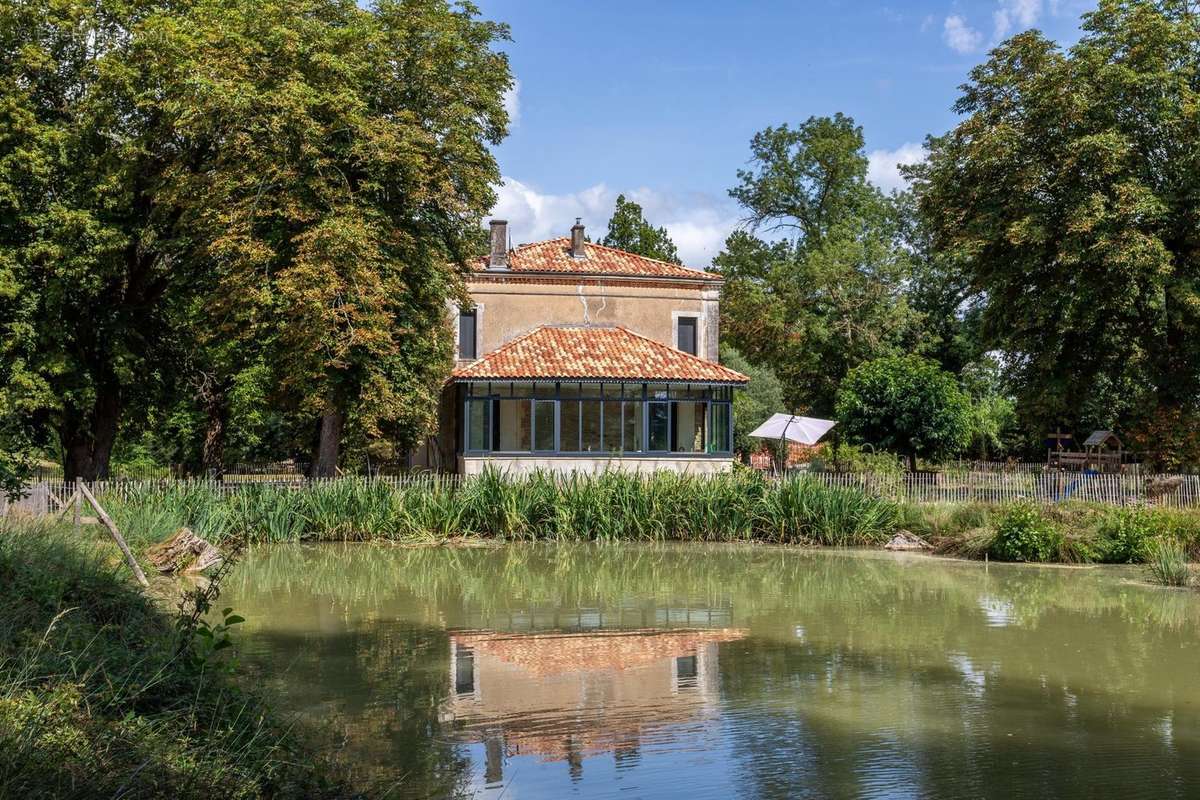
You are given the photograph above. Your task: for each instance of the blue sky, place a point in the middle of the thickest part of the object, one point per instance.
(659, 98)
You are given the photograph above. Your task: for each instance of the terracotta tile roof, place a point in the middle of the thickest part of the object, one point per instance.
(554, 255)
(585, 352)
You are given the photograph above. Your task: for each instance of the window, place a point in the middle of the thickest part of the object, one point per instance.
(634, 435)
(591, 426)
(569, 426)
(464, 670)
(719, 432)
(687, 335)
(479, 424)
(689, 426)
(543, 425)
(612, 425)
(466, 334)
(513, 423)
(659, 426)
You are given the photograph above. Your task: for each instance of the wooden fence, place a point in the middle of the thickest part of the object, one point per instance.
(1176, 491)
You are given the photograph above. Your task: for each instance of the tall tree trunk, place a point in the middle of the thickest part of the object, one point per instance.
(329, 441)
(87, 438)
(211, 394)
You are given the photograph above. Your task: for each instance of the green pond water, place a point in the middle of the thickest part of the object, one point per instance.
(693, 671)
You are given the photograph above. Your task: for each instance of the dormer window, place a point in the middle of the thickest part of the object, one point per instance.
(467, 348)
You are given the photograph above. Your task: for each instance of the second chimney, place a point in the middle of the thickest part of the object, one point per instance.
(578, 246)
(499, 255)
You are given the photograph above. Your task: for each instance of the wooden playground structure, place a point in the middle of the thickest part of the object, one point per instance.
(1102, 452)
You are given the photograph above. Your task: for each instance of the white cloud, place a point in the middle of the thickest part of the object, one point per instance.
(1015, 13)
(697, 223)
(883, 166)
(512, 103)
(959, 36)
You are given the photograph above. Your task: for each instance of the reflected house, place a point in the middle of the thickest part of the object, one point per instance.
(576, 357)
(565, 696)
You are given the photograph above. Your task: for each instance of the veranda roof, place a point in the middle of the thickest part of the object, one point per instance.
(592, 353)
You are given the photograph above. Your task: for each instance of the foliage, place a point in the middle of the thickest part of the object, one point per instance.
(1026, 534)
(1125, 536)
(906, 405)
(739, 506)
(1066, 197)
(841, 456)
(752, 406)
(94, 701)
(628, 230)
(1168, 439)
(1168, 564)
(829, 296)
(191, 188)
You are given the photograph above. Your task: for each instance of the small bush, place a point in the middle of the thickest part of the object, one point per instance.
(1026, 534)
(1167, 563)
(1125, 536)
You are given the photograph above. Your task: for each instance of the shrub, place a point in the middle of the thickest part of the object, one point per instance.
(1167, 563)
(1026, 534)
(1125, 536)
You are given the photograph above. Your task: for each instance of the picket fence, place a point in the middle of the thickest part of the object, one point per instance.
(1176, 491)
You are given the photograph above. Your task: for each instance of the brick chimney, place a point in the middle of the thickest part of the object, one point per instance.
(578, 247)
(499, 255)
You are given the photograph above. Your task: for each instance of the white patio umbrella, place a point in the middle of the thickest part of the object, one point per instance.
(802, 430)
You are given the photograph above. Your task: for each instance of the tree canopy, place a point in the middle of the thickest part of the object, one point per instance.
(1067, 200)
(829, 293)
(907, 405)
(189, 186)
(628, 230)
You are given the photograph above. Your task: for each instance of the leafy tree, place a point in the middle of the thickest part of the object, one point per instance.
(236, 180)
(628, 230)
(993, 429)
(829, 295)
(1067, 200)
(752, 406)
(907, 405)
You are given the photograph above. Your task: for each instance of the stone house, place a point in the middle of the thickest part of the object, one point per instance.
(577, 357)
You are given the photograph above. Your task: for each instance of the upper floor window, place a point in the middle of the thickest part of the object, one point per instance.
(466, 334)
(687, 335)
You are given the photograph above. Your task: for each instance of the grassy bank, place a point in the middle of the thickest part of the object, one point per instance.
(737, 507)
(104, 694)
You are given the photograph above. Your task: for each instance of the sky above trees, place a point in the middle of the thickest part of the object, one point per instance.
(659, 101)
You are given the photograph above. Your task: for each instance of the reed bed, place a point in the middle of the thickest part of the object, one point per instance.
(740, 506)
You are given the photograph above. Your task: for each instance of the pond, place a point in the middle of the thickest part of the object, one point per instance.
(635, 671)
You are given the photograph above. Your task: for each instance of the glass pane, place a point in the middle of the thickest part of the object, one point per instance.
(657, 390)
(478, 430)
(612, 426)
(719, 433)
(690, 424)
(590, 389)
(635, 391)
(514, 424)
(502, 389)
(466, 334)
(612, 390)
(568, 390)
(543, 425)
(659, 426)
(568, 423)
(591, 426)
(544, 389)
(633, 427)
(687, 335)
(522, 390)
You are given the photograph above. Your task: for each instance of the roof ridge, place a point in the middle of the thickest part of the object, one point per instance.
(648, 258)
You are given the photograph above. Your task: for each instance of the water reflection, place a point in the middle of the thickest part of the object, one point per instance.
(714, 672)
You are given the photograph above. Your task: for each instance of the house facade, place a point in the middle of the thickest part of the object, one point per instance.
(577, 357)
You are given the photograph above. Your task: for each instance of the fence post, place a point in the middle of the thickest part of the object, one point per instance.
(78, 503)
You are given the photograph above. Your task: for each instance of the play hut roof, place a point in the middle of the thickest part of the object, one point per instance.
(1099, 438)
